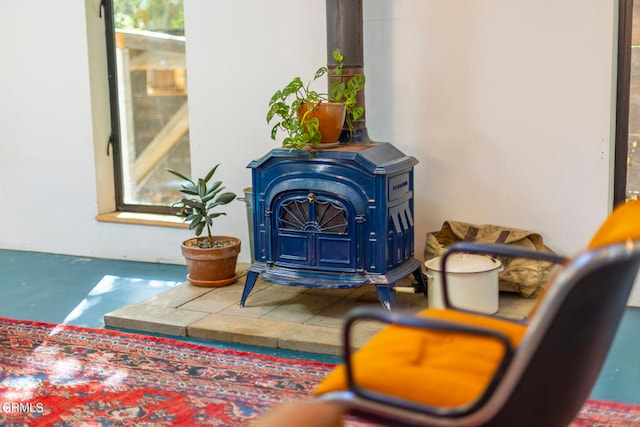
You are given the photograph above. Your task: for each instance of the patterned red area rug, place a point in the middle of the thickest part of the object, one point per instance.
(65, 376)
(607, 414)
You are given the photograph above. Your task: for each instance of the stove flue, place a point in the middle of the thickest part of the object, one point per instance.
(344, 33)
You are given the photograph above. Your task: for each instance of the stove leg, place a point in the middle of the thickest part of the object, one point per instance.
(387, 296)
(248, 286)
(422, 285)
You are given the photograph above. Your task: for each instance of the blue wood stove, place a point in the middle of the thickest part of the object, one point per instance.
(334, 218)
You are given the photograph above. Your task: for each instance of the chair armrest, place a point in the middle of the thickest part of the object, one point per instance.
(493, 249)
(394, 318)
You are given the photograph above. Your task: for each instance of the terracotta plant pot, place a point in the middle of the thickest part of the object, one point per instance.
(331, 116)
(211, 267)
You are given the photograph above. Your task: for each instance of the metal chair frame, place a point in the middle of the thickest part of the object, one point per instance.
(548, 376)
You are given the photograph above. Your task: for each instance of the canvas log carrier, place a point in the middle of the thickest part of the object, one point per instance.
(523, 276)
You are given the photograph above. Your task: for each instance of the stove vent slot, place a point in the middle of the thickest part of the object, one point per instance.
(401, 217)
(400, 238)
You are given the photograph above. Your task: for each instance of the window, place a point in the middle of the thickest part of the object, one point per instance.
(627, 145)
(148, 95)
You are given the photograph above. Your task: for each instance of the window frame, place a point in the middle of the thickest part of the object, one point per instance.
(623, 87)
(115, 142)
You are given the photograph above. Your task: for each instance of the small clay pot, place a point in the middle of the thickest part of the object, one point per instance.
(331, 117)
(211, 267)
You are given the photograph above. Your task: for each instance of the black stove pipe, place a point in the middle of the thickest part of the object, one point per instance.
(344, 33)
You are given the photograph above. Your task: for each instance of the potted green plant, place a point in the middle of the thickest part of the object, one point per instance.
(211, 260)
(309, 117)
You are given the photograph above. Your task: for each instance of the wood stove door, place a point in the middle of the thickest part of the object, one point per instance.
(315, 231)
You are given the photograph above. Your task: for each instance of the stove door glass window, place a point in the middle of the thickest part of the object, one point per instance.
(314, 231)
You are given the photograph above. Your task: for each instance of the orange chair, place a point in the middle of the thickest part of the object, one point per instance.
(454, 367)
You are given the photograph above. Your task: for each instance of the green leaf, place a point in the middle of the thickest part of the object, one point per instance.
(189, 185)
(356, 83)
(271, 113)
(320, 72)
(224, 198)
(213, 191)
(202, 188)
(191, 218)
(275, 97)
(189, 192)
(215, 186)
(313, 124)
(211, 172)
(179, 175)
(337, 92)
(200, 228)
(294, 86)
(356, 113)
(197, 219)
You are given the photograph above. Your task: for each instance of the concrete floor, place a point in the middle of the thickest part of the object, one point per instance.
(275, 316)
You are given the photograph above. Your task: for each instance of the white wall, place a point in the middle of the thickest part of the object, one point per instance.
(48, 146)
(507, 106)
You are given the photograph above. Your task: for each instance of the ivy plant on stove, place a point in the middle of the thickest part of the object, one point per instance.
(211, 259)
(309, 117)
